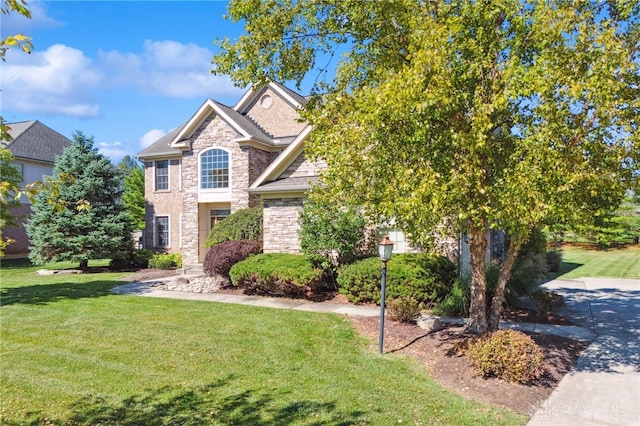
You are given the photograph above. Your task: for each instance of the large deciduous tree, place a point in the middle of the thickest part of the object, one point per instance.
(101, 231)
(502, 114)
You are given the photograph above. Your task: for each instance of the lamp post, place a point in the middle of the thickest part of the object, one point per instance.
(385, 247)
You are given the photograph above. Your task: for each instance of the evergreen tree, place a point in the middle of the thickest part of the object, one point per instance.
(101, 231)
(133, 196)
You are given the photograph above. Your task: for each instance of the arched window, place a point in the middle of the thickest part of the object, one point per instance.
(214, 169)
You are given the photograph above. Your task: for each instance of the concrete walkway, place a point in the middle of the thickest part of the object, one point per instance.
(603, 388)
(147, 289)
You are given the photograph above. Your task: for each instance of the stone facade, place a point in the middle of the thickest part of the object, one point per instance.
(281, 225)
(163, 203)
(279, 119)
(254, 134)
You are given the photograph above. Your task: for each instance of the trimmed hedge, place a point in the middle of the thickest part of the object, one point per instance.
(245, 224)
(221, 257)
(277, 274)
(420, 276)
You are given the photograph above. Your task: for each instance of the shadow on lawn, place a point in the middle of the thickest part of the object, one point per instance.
(211, 404)
(48, 293)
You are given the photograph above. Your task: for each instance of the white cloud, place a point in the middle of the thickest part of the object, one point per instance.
(169, 68)
(151, 136)
(62, 80)
(59, 80)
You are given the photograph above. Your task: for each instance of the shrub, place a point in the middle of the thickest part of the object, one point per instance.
(404, 309)
(245, 224)
(506, 354)
(138, 259)
(418, 275)
(277, 274)
(165, 261)
(221, 257)
(456, 303)
(547, 301)
(525, 278)
(333, 236)
(554, 261)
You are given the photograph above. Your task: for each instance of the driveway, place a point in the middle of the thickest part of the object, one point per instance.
(604, 386)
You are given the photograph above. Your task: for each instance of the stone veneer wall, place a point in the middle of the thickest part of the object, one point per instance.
(281, 225)
(247, 163)
(280, 120)
(163, 203)
(303, 167)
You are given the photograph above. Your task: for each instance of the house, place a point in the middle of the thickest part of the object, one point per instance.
(224, 159)
(35, 148)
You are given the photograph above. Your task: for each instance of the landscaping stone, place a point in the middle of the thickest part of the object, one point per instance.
(194, 284)
(429, 323)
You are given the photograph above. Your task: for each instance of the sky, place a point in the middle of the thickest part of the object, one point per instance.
(124, 72)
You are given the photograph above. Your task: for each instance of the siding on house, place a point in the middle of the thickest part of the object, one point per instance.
(35, 147)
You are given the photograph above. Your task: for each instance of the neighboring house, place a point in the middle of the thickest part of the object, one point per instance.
(224, 159)
(35, 148)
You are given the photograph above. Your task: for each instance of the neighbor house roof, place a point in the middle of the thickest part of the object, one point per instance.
(32, 140)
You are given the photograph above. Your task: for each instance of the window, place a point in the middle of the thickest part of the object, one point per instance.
(162, 175)
(214, 169)
(217, 215)
(162, 231)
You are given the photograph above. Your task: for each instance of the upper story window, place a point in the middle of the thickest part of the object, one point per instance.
(214, 169)
(162, 175)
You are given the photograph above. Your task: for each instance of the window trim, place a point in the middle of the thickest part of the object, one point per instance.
(156, 236)
(155, 176)
(229, 168)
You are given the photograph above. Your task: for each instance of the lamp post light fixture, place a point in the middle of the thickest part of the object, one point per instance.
(385, 247)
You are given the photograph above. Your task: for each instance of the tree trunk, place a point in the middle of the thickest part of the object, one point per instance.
(503, 277)
(477, 322)
(84, 265)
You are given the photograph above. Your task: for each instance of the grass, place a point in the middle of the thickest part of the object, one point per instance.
(581, 262)
(73, 353)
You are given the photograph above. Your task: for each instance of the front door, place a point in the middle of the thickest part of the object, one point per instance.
(210, 214)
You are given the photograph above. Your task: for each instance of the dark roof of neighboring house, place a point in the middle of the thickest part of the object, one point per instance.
(32, 140)
(162, 147)
(290, 184)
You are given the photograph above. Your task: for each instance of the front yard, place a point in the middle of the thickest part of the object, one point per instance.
(73, 353)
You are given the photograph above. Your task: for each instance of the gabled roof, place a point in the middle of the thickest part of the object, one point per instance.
(32, 140)
(291, 97)
(235, 120)
(266, 181)
(248, 131)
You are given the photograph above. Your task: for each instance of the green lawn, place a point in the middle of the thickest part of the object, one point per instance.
(75, 354)
(612, 263)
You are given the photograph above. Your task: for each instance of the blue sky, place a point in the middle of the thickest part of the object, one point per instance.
(126, 72)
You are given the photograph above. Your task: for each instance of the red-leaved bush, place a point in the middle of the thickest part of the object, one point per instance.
(221, 257)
